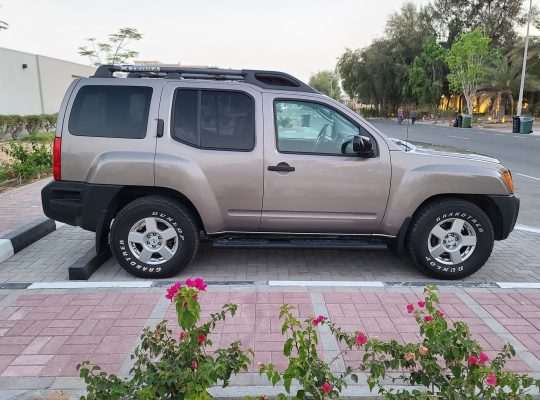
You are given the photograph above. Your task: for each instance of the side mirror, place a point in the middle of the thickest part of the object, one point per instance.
(361, 145)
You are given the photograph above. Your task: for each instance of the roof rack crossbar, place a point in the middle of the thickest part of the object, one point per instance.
(264, 79)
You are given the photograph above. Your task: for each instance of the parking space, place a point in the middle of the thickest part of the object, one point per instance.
(513, 260)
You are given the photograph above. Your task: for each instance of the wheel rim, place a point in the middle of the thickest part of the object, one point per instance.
(153, 241)
(452, 241)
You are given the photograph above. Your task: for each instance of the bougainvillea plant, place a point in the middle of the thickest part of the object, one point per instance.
(170, 366)
(447, 364)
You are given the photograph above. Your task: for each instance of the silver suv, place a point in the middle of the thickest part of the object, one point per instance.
(160, 158)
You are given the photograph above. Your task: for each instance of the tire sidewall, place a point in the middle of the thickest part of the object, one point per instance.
(123, 253)
(484, 243)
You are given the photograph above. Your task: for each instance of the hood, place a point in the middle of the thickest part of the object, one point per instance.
(442, 151)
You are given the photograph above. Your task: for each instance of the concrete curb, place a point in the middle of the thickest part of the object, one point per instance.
(23, 236)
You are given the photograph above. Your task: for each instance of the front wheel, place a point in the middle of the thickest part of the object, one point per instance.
(450, 239)
(154, 237)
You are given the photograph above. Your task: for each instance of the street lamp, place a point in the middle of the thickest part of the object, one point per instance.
(524, 67)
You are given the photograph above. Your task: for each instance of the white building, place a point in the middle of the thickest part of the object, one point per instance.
(34, 84)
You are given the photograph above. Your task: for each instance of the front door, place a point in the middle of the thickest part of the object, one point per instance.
(310, 185)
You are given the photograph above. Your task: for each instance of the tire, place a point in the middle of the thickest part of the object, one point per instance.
(154, 237)
(440, 248)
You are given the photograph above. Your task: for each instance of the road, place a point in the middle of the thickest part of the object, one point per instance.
(520, 153)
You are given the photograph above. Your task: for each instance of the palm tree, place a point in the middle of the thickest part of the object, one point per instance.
(502, 81)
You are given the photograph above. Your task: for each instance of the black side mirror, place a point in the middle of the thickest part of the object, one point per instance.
(361, 145)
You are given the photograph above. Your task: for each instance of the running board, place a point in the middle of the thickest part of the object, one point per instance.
(343, 244)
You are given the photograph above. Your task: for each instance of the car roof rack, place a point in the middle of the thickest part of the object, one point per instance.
(263, 79)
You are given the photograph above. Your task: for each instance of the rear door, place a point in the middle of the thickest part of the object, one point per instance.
(310, 186)
(212, 151)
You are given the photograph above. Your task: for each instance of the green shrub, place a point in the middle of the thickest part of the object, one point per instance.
(171, 367)
(11, 126)
(27, 160)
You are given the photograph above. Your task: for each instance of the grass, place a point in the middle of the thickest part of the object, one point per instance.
(42, 137)
(4, 176)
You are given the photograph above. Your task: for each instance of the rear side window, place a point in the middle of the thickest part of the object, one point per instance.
(111, 111)
(217, 120)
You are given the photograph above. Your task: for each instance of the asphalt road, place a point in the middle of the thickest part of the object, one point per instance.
(519, 153)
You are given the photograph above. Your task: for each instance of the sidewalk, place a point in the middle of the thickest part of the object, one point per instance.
(21, 205)
(45, 333)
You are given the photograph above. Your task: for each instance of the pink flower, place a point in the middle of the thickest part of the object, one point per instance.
(421, 304)
(473, 360)
(492, 380)
(199, 284)
(361, 339)
(441, 314)
(318, 320)
(194, 364)
(326, 388)
(195, 297)
(173, 290)
(483, 358)
(410, 308)
(201, 338)
(190, 283)
(428, 318)
(182, 335)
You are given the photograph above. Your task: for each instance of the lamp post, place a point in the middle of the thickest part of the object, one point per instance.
(524, 67)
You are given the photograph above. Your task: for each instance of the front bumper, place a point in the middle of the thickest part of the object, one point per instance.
(508, 208)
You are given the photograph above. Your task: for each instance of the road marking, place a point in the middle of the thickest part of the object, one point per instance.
(87, 285)
(527, 228)
(499, 134)
(519, 285)
(527, 176)
(460, 137)
(328, 283)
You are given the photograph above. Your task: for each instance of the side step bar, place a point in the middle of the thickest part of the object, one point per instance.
(341, 244)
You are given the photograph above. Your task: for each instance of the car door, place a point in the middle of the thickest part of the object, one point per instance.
(310, 186)
(211, 151)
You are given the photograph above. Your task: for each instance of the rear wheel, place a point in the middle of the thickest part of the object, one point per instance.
(450, 239)
(154, 237)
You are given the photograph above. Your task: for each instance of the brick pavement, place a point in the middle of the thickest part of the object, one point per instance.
(513, 260)
(21, 205)
(45, 333)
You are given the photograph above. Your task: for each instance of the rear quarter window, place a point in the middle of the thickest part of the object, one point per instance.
(111, 111)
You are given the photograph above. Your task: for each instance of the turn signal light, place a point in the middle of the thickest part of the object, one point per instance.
(508, 178)
(57, 146)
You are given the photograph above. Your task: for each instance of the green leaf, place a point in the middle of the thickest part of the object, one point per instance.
(287, 347)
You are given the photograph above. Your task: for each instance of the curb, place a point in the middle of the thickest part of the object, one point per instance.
(23, 236)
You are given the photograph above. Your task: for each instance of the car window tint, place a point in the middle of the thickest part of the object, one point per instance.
(306, 127)
(225, 120)
(111, 111)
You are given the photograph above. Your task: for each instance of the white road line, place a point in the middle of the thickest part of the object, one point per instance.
(88, 285)
(499, 134)
(519, 285)
(328, 283)
(460, 137)
(527, 228)
(527, 176)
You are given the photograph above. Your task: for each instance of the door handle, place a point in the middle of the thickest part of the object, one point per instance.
(281, 167)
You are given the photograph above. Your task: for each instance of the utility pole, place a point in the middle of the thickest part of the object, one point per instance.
(524, 67)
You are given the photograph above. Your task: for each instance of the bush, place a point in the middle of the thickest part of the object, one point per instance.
(169, 367)
(11, 126)
(27, 160)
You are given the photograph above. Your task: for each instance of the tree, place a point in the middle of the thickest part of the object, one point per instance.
(497, 18)
(115, 51)
(326, 82)
(427, 75)
(467, 60)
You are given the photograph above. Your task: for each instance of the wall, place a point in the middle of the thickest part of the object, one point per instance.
(39, 88)
(19, 88)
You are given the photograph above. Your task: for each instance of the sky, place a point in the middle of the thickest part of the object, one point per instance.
(296, 36)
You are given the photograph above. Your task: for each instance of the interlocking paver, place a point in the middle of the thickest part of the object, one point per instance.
(21, 205)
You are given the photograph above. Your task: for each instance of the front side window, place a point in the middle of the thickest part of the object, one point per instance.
(220, 120)
(111, 111)
(305, 127)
